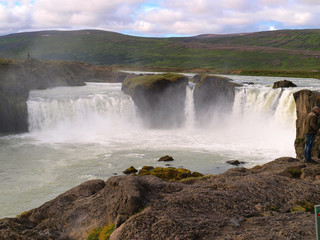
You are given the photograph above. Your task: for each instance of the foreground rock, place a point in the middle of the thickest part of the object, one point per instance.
(305, 101)
(273, 201)
(213, 98)
(160, 98)
(17, 78)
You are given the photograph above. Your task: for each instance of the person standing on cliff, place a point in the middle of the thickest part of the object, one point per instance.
(311, 129)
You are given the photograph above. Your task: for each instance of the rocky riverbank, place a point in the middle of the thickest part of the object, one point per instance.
(273, 201)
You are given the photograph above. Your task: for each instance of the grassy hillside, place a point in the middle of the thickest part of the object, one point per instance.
(274, 50)
(287, 39)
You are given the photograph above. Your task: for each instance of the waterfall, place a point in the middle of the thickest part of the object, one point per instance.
(189, 106)
(95, 105)
(273, 104)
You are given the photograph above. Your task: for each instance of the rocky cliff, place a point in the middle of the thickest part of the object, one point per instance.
(305, 101)
(273, 201)
(213, 97)
(160, 98)
(17, 78)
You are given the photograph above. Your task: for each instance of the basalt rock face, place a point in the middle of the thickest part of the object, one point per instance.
(213, 98)
(266, 202)
(17, 78)
(305, 101)
(160, 99)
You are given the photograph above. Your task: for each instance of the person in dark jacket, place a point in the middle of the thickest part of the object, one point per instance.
(311, 129)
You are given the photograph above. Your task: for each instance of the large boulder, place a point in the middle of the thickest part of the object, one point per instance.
(273, 201)
(160, 98)
(213, 97)
(283, 84)
(305, 101)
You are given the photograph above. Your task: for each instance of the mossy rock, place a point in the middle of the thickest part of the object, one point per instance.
(148, 80)
(169, 173)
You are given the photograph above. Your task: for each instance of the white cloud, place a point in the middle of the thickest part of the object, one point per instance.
(159, 17)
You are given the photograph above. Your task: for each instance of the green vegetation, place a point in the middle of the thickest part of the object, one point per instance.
(307, 39)
(101, 233)
(295, 172)
(295, 50)
(303, 206)
(169, 173)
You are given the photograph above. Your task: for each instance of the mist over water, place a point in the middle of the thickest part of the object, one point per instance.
(94, 131)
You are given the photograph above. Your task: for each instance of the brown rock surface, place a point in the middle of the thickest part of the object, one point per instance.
(258, 203)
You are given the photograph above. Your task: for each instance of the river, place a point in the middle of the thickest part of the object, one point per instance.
(82, 133)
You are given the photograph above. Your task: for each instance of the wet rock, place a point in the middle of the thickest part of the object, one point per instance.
(235, 162)
(283, 84)
(130, 170)
(160, 98)
(169, 173)
(166, 158)
(196, 78)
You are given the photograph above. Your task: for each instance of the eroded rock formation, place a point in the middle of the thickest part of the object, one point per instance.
(160, 99)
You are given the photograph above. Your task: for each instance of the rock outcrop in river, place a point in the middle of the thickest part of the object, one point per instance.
(213, 97)
(160, 98)
(273, 201)
(17, 78)
(305, 101)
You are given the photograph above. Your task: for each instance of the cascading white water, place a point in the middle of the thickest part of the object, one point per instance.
(94, 108)
(274, 104)
(189, 106)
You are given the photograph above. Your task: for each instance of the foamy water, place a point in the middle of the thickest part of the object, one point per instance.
(89, 132)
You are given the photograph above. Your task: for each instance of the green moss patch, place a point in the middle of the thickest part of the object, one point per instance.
(303, 206)
(169, 173)
(101, 233)
(295, 172)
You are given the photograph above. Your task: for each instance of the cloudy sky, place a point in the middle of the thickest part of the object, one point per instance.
(159, 17)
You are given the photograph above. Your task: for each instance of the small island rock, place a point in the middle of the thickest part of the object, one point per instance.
(166, 158)
(283, 84)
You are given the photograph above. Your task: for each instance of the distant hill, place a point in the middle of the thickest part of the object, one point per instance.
(272, 50)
